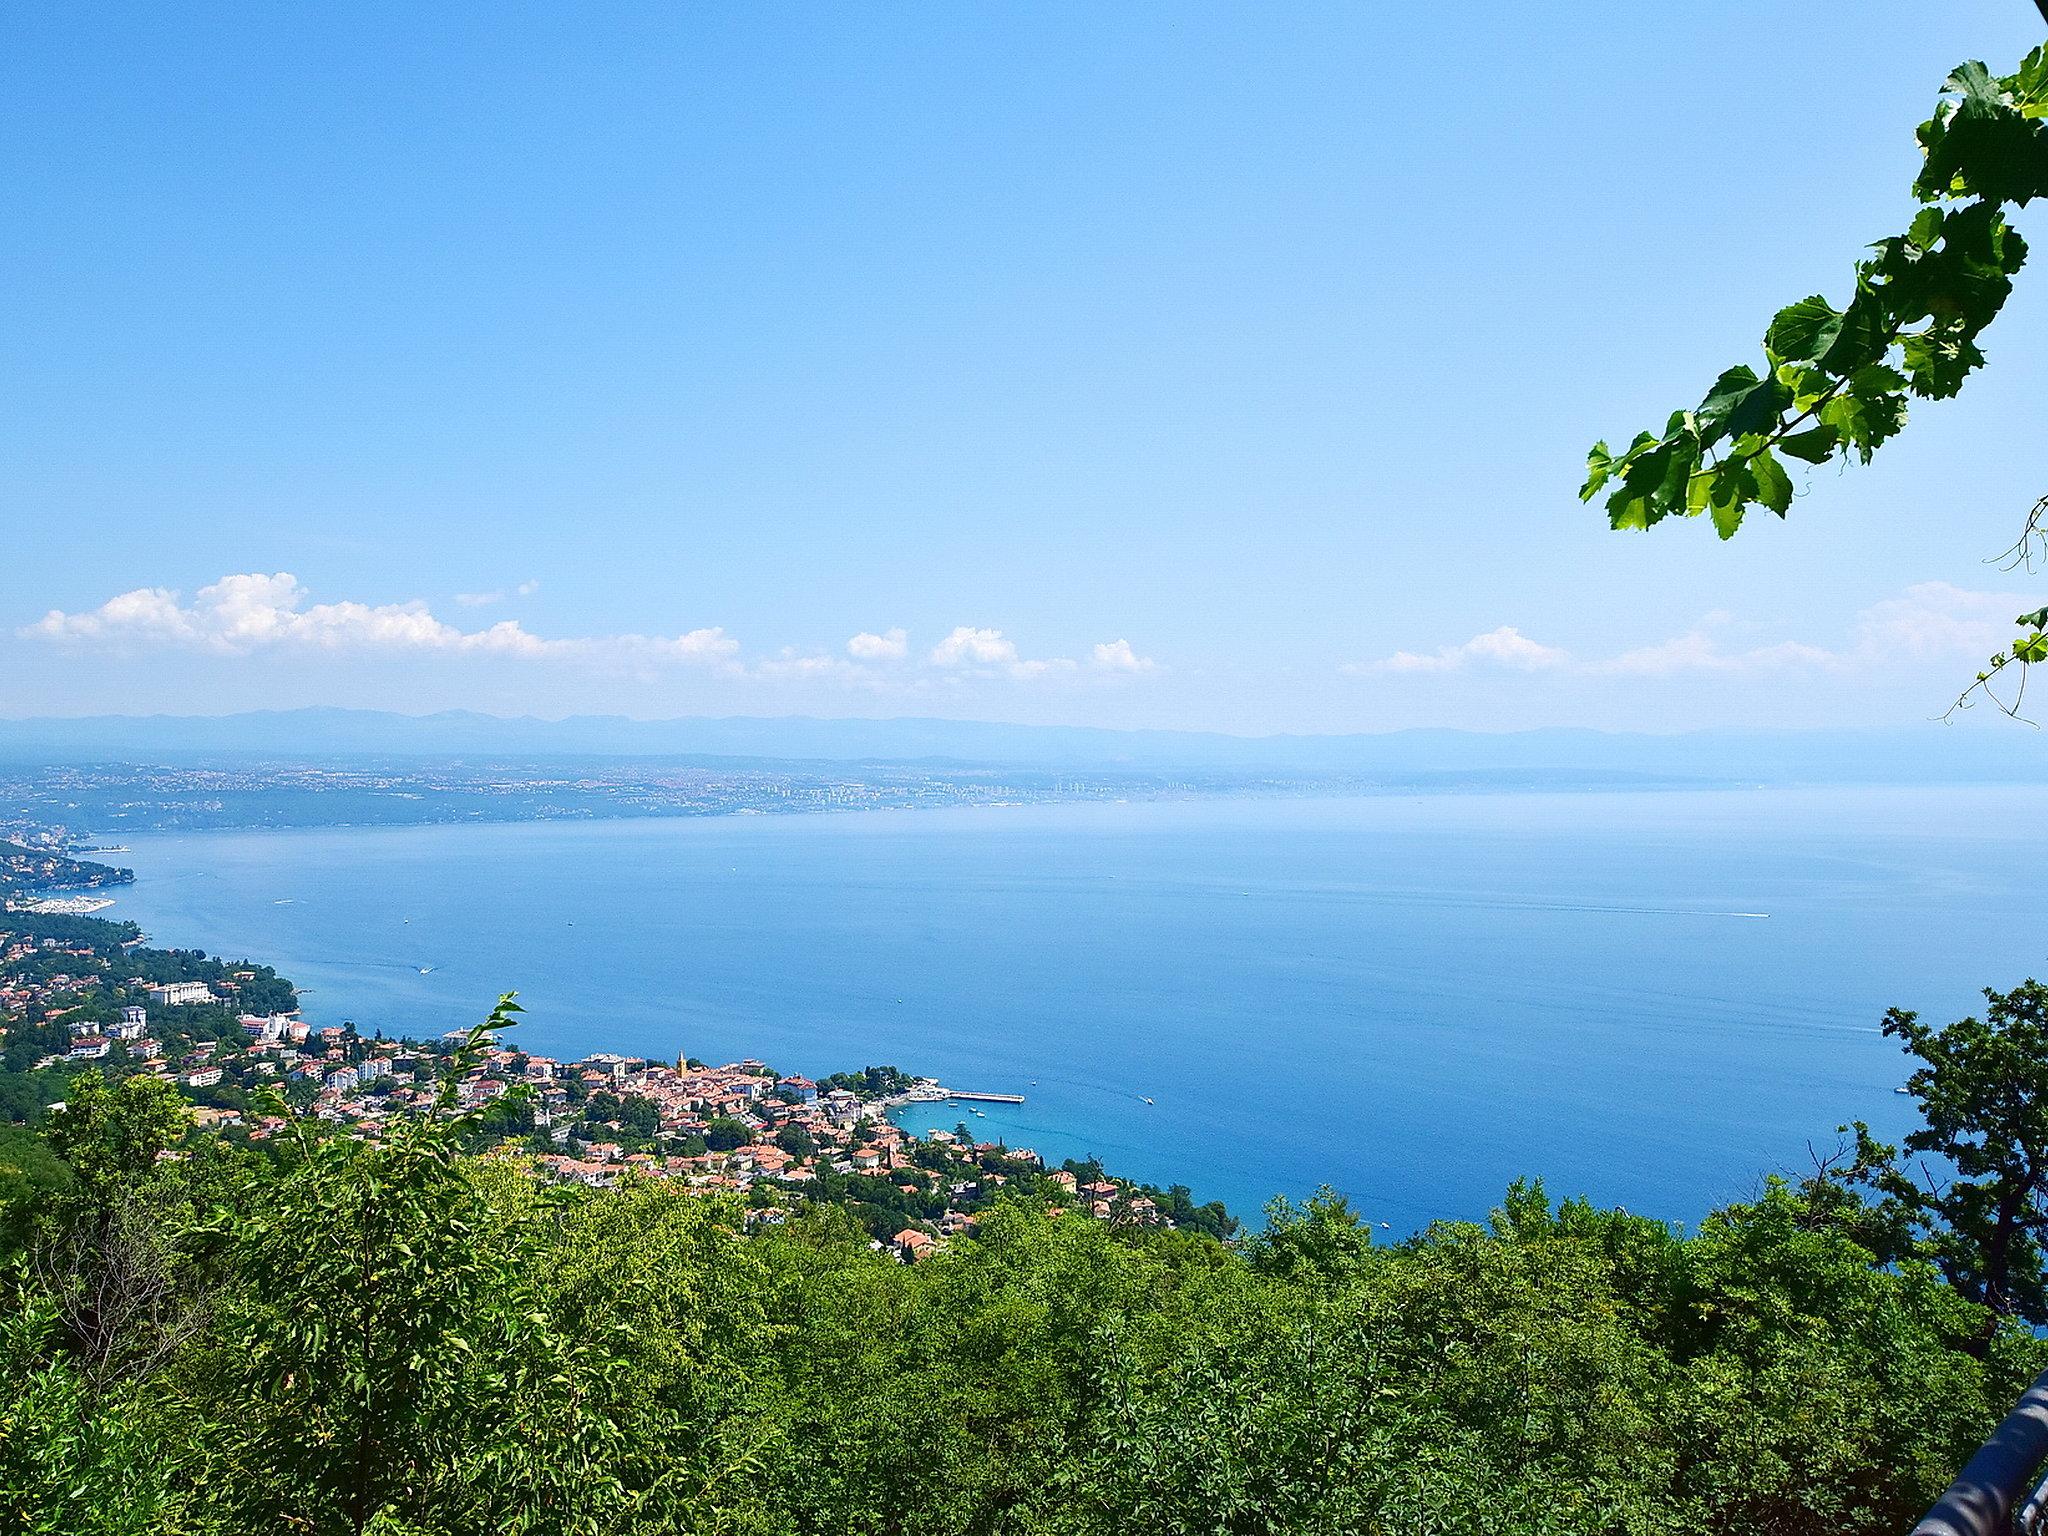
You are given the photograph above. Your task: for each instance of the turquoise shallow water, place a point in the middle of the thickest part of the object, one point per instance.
(1412, 999)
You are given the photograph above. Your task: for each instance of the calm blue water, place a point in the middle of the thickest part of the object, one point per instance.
(1412, 999)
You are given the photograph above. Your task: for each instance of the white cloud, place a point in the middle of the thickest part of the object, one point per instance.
(1117, 656)
(968, 651)
(488, 599)
(1698, 651)
(967, 647)
(791, 662)
(243, 614)
(1933, 620)
(1039, 668)
(1503, 647)
(257, 614)
(697, 645)
(892, 645)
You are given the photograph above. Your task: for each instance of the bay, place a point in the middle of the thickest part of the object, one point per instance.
(1648, 999)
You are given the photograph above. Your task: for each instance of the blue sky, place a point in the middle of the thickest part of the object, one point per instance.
(1217, 366)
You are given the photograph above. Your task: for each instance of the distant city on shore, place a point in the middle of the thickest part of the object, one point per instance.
(322, 767)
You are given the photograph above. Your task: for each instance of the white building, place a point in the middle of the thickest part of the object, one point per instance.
(177, 994)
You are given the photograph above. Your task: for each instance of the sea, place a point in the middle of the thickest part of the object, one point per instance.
(1651, 1000)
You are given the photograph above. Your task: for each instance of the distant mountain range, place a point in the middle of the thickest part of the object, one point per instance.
(1981, 751)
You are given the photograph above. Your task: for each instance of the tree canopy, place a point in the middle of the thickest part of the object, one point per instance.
(343, 1336)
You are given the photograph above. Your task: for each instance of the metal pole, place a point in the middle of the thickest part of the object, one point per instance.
(1980, 1501)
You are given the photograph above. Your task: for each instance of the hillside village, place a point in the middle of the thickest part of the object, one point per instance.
(79, 993)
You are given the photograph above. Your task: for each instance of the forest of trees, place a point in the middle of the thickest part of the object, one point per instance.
(337, 1336)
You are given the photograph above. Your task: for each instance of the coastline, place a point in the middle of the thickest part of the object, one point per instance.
(60, 906)
(1260, 967)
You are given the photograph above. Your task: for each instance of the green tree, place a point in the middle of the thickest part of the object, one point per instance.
(111, 1253)
(723, 1135)
(1974, 1199)
(31, 1175)
(391, 1364)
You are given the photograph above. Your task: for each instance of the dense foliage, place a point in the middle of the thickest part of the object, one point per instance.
(346, 1336)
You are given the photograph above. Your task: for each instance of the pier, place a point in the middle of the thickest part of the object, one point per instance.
(986, 1098)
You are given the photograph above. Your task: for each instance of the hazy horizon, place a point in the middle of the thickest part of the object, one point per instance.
(1559, 756)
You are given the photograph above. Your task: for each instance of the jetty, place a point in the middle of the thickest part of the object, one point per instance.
(986, 1098)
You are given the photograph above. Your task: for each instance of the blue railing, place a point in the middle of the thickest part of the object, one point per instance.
(2001, 1492)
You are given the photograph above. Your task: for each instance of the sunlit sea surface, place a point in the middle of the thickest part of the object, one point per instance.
(1650, 999)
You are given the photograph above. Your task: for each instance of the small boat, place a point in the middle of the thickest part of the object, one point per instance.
(1902, 1090)
(426, 970)
(1147, 1100)
(1386, 1226)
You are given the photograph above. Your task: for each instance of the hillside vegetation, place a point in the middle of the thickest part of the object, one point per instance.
(341, 1336)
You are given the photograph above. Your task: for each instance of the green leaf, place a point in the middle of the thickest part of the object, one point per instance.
(1760, 409)
(1773, 485)
(1740, 402)
(1627, 512)
(1813, 445)
(1728, 390)
(1864, 421)
(1599, 466)
(1808, 384)
(1983, 143)
(1876, 379)
(1863, 336)
(1938, 364)
(1698, 491)
(1801, 332)
(1733, 490)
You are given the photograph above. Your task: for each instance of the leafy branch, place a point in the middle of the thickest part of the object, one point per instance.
(2032, 644)
(2030, 647)
(1836, 383)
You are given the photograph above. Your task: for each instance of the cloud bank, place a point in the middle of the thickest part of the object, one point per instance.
(256, 614)
(1933, 620)
(1503, 647)
(247, 614)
